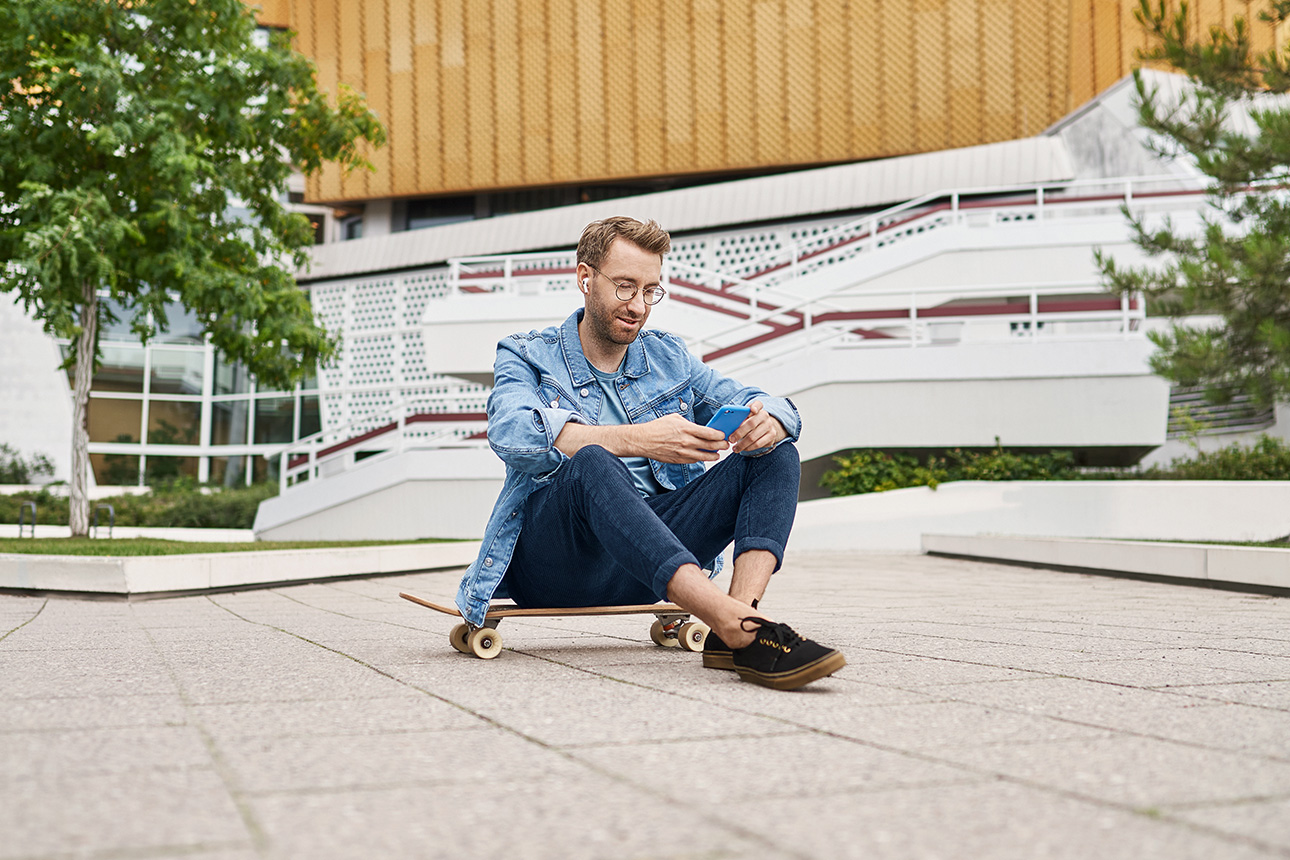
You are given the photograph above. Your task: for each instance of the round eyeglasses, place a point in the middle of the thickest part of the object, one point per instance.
(627, 292)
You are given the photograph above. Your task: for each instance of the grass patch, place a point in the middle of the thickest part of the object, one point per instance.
(158, 546)
(1280, 543)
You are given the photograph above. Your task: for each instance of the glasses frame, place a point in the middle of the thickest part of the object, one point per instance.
(659, 292)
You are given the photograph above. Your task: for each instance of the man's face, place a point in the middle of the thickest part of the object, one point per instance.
(611, 320)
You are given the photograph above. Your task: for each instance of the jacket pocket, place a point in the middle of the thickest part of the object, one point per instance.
(679, 402)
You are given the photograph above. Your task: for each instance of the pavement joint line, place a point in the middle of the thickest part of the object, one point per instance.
(614, 776)
(685, 740)
(39, 610)
(140, 853)
(1049, 675)
(259, 838)
(1084, 724)
(1176, 691)
(1005, 628)
(983, 772)
(1241, 801)
(331, 611)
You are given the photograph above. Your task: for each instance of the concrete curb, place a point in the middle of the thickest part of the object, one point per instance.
(1261, 568)
(158, 575)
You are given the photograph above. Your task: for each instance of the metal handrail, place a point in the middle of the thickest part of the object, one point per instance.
(1130, 315)
(955, 197)
(870, 225)
(396, 420)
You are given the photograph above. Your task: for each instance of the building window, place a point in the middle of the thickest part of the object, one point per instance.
(160, 469)
(115, 420)
(115, 470)
(434, 211)
(228, 422)
(173, 422)
(275, 419)
(177, 371)
(121, 369)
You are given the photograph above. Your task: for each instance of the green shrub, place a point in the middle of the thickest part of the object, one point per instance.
(15, 469)
(870, 471)
(180, 504)
(1268, 459)
(874, 472)
(1001, 465)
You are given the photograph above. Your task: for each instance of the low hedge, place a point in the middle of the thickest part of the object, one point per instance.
(872, 471)
(181, 504)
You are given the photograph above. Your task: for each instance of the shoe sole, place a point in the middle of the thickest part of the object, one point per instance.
(719, 660)
(799, 677)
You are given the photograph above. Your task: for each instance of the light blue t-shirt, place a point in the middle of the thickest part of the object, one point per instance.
(613, 412)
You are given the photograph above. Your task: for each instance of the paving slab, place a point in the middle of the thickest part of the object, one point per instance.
(986, 711)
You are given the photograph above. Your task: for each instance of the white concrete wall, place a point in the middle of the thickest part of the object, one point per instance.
(36, 416)
(1259, 566)
(443, 493)
(1150, 510)
(1055, 393)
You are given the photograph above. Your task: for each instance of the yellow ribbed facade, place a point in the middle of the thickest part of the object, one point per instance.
(495, 94)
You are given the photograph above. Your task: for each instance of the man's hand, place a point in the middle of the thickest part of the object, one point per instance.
(759, 430)
(670, 439)
(676, 439)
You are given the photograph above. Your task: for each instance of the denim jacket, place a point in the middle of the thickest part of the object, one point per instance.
(541, 380)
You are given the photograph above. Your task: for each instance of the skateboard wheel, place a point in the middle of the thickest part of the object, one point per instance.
(660, 637)
(458, 638)
(485, 643)
(692, 635)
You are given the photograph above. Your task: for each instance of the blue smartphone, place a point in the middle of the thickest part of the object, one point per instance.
(728, 419)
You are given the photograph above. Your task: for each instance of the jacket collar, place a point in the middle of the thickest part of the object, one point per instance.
(635, 365)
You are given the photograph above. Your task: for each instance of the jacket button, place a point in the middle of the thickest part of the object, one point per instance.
(488, 562)
(555, 403)
(683, 406)
(583, 392)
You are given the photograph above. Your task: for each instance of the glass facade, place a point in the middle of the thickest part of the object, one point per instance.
(175, 408)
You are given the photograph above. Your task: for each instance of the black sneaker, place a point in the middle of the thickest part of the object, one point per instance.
(717, 654)
(780, 659)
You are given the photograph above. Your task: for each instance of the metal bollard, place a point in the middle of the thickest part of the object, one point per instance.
(22, 514)
(111, 519)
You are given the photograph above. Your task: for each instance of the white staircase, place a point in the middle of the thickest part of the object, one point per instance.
(948, 320)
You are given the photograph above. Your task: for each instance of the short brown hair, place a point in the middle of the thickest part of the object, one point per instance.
(599, 235)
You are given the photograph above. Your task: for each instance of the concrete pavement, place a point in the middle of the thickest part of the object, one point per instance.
(987, 711)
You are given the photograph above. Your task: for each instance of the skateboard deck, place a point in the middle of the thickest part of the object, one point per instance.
(672, 626)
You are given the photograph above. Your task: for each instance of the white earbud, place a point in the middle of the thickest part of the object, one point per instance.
(584, 285)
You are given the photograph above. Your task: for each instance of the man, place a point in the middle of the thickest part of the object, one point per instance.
(606, 501)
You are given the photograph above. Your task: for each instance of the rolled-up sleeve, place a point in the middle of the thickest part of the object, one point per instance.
(522, 428)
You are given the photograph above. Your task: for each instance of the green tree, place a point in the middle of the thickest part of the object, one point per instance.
(145, 148)
(1238, 266)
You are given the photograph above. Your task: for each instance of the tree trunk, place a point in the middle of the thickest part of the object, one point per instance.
(86, 347)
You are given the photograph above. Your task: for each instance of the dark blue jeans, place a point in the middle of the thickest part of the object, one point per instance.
(589, 539)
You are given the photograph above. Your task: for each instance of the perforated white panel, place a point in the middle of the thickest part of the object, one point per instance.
(373, 305)
(420, 288)
(383, 360)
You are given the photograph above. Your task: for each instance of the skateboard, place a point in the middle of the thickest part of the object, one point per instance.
(672, 626)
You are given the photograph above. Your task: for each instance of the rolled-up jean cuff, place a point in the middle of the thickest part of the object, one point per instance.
(776, 549)
(664, 572)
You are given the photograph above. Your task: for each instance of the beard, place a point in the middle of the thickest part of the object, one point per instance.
(604, 325)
